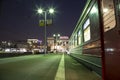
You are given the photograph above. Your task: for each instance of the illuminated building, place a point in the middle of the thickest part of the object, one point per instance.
(58, 45)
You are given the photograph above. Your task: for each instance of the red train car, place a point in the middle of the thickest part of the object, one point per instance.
(96, 38)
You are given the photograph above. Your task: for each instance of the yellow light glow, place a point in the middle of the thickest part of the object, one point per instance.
(105, 10)
(87, 34)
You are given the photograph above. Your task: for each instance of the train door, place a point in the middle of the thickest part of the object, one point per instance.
(111, 25)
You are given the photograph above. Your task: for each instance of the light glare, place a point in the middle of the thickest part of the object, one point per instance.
(51, 10)
(40, 11)
(94, 10)
(105, 10)
(58, 34)
(54, 35)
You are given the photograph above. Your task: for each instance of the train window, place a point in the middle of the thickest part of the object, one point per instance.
(86, 28)
(76, 40)
(86, 24)
(108, 15)
(79, 37)
(73, 44)
(119, 5)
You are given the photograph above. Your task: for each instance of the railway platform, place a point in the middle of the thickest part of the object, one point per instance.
(44, 67)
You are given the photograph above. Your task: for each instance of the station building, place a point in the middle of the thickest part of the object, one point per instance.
(58, 44)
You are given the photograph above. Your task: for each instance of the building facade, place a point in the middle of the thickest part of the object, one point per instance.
(57, 44)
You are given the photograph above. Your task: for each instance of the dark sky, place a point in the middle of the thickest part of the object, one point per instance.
(19, 19)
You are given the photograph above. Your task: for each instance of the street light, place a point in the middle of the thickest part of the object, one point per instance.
(40, 11)
(51, 10)
(56, 36)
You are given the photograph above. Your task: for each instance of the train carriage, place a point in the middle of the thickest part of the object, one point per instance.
(95, 41)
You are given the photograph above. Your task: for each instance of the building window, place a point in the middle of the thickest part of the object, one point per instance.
(108, 14)
(86, 28)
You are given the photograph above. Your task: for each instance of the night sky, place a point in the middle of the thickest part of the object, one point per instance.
(19, 19)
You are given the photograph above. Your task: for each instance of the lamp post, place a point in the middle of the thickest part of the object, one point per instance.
(56, 36)
(40, 11)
